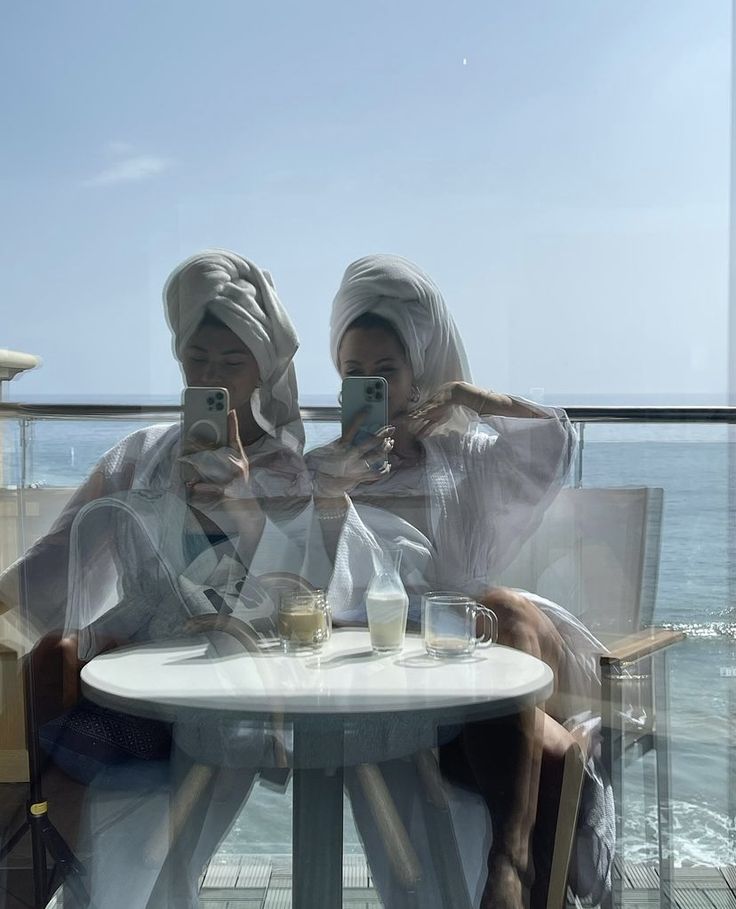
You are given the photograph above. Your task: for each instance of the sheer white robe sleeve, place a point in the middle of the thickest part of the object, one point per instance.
(489, 489)
(485, 491)
(35, 585)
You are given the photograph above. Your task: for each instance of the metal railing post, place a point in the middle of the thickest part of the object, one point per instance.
(579, 455)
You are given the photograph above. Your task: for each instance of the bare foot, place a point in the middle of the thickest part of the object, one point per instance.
(504, 888)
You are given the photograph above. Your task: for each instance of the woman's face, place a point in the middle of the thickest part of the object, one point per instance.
(377, 352)
(215, 356)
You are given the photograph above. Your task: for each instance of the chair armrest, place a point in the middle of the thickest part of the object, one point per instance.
(55, 669)
(228, 624)
(642, 643)
(71, 666)
(582, 736)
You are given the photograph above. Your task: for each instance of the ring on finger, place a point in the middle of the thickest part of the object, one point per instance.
(367, 464)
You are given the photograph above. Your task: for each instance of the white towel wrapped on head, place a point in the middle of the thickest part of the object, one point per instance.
(400, 292)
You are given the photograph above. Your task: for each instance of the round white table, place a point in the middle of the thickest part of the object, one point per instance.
(319, 694)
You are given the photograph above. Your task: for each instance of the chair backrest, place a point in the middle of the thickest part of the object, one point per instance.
(26, 515)
(13, 754)
(596, 552)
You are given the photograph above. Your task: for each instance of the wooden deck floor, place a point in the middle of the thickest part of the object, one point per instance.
(264, 882)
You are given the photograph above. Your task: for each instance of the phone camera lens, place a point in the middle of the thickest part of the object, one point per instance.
(210, 400)
(369, 391)
(379, 396)
(220, 405)
(219, 396)
(379, 386)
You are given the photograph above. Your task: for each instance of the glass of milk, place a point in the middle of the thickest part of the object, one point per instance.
(453, 625)
(387, 605)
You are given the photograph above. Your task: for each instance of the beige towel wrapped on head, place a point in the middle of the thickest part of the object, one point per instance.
(242, 296)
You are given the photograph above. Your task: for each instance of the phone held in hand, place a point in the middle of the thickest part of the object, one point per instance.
(204, 419)
(368, 394)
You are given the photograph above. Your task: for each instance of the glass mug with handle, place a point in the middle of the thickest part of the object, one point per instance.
(450, 625)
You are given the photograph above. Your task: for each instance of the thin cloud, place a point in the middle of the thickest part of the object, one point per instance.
(130, 170)
(119, 148)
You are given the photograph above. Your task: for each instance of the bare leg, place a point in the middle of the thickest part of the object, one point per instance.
(502, 759)
(516, 764)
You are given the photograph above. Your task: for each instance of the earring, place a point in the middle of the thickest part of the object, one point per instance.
(414, 394)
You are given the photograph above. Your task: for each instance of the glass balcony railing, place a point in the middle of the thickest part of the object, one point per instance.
(694, 463)
(688, 453)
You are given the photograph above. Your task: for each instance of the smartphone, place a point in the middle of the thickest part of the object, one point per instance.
(370, 395)
(204, 419)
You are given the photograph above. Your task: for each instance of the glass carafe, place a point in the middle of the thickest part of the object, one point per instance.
(387, 604)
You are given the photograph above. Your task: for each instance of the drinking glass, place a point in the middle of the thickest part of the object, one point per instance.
(304, 621)
(451, 622)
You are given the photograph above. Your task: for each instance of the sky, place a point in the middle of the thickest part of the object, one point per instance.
(560, 167)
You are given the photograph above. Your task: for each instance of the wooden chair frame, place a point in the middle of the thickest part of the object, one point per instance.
(636, 658)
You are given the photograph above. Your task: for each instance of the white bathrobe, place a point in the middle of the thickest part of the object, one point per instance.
(485, 483)
(476, 523)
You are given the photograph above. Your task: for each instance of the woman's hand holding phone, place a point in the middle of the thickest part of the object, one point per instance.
(214, 476)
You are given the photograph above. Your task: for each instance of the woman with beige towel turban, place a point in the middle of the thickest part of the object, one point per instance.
(230, 329)
(172, 537)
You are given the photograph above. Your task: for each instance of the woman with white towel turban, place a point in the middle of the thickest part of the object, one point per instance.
(458, 481)
(171, 538)
(215, 296)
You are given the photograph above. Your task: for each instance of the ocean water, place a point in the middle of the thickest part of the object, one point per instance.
(696, 593)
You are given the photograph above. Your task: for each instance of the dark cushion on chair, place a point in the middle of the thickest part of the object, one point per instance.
(88, 738)
(78, 735)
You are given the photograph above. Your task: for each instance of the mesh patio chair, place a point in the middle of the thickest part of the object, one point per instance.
(597, 553)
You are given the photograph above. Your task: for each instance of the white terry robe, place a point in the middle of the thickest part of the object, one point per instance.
(149, 529)
(110, 553)
(145, 460)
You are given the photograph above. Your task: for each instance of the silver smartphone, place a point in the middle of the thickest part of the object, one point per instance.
(204, 418)
(370, 395)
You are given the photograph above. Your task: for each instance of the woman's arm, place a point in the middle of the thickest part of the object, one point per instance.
(340, 466)
(494, 404)
(219, 493)
(484, 402)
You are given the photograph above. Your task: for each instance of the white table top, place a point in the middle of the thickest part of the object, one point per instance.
(346, 678)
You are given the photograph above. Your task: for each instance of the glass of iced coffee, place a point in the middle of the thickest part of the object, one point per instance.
(304, 621)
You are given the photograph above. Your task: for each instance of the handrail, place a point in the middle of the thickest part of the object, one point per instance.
(583, 413)
(577, 413)
(39, 411)
(651, 414)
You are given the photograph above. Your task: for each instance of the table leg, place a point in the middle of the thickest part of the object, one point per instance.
(317, 819)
